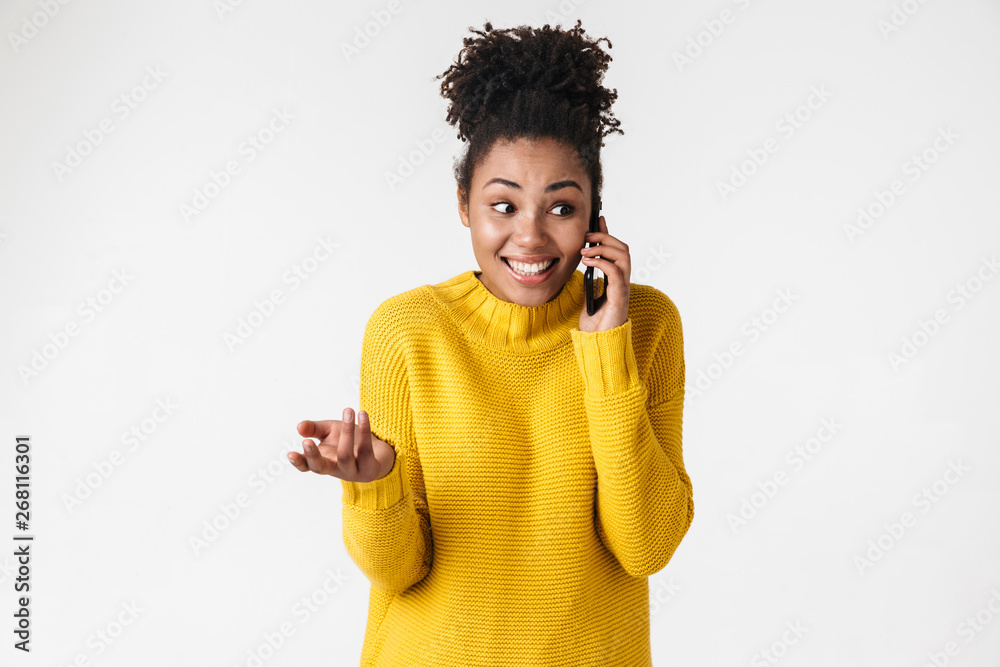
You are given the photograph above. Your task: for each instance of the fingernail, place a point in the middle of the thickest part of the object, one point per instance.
(347, 415)
(363, 417)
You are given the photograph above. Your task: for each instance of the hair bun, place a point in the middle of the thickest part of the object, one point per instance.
(560, 70)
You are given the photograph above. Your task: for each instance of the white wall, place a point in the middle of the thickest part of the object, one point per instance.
(160, 336)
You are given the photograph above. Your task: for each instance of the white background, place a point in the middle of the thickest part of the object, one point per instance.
(161, 335)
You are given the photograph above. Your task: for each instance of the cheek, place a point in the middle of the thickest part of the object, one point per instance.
(489, 237)
(570, 246)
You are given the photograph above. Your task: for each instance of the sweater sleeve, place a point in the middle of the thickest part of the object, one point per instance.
(645, 501)
(386, 523)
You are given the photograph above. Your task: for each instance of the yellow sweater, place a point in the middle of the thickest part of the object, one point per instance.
(538, 480)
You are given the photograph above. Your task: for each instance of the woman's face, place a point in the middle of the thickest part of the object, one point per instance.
(530, 200)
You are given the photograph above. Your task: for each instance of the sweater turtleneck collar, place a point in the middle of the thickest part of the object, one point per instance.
(508, 326)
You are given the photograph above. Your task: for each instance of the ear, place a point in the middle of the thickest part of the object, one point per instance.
(463, 212)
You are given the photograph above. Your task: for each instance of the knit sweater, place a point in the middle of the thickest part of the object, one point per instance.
(538, 478)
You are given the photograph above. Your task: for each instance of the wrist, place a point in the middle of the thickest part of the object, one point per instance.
(389, 464)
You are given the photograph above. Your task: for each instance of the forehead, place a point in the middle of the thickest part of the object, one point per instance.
(532, 161)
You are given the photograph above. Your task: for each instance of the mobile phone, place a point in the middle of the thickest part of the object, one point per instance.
(595, 299)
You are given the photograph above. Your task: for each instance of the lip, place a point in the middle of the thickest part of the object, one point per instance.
(529, 259)
(531, 280)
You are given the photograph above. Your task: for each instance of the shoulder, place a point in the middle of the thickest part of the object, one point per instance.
(400, 316)
(653, 312)
(397, 306)
(423, 306)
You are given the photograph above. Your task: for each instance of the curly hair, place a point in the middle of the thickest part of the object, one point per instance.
(531, 83)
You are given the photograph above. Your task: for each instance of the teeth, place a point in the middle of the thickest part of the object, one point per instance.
(529, 269)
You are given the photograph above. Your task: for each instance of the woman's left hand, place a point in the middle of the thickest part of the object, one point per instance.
(616, 264)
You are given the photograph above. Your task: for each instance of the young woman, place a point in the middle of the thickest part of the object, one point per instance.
(521, 475)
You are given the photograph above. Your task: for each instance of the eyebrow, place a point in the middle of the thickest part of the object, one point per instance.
(558, 185)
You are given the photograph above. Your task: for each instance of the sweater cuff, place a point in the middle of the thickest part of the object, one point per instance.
(381, 493)
(606, 359)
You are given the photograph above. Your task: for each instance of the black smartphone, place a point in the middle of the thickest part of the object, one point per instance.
(595, 299)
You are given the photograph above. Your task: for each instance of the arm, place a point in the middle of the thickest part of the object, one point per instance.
(386, 523)
(645, 501)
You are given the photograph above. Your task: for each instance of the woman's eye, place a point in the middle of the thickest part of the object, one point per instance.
(569, 209)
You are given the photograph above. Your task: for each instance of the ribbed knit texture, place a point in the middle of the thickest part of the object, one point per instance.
(538, 481)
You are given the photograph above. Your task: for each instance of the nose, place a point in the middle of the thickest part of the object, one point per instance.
(529, 230)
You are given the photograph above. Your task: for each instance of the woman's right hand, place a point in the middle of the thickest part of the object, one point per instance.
(335, 454)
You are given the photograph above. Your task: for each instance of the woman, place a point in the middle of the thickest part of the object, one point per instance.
(521, 475)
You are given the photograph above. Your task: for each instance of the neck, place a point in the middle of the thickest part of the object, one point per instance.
(480, 279)
(506, 326)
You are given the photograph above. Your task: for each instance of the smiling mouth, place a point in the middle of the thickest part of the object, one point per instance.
(528, 275)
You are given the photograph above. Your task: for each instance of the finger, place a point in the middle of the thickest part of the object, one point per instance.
(314, 460)
(608, 267)
(366, 454)
(605, 250)
(318, 430)
(618, 257)
(298, 461)
(346, 460)
(604, 241)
